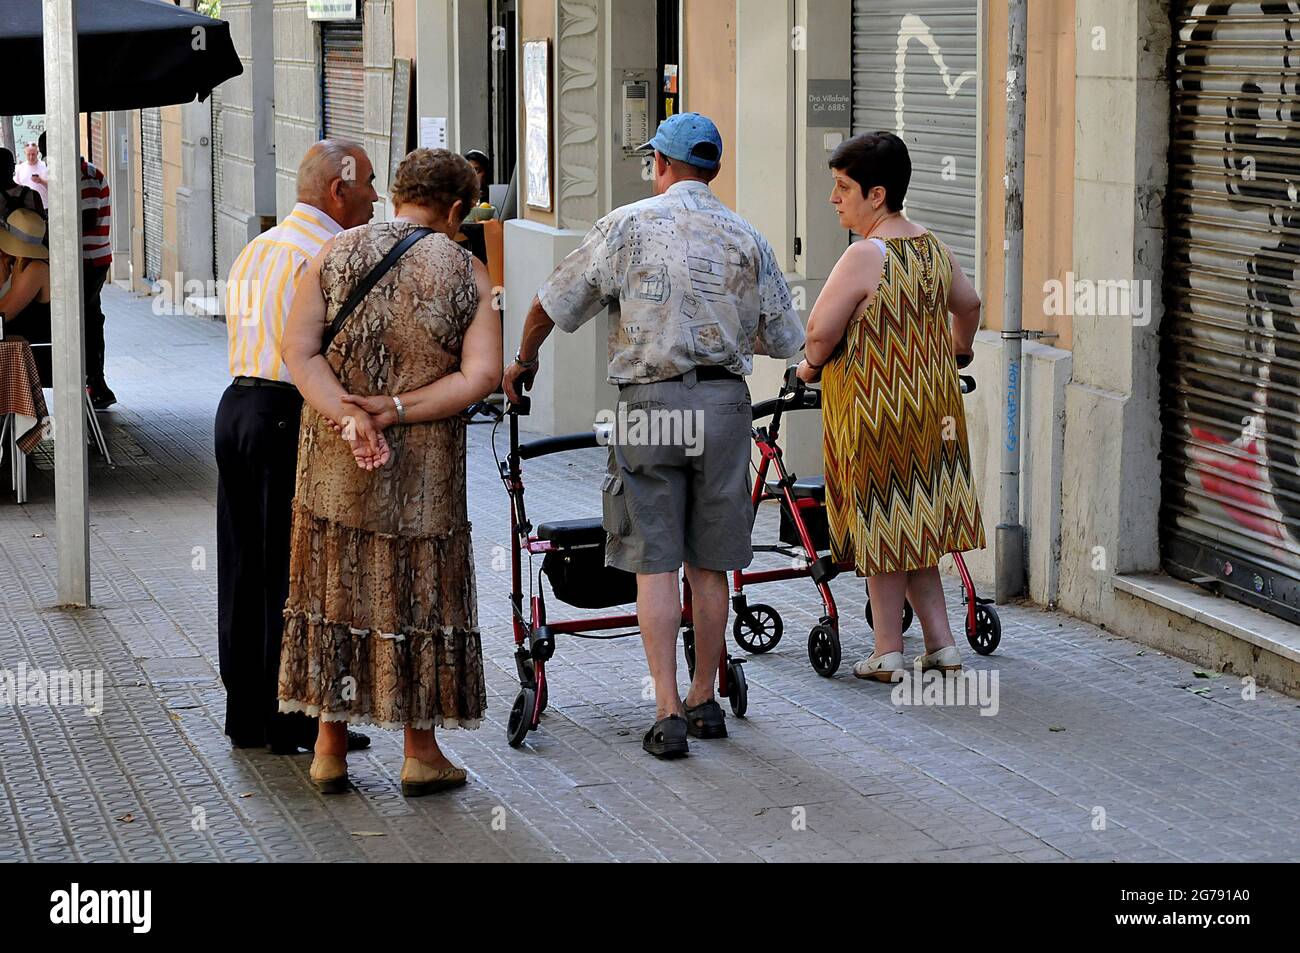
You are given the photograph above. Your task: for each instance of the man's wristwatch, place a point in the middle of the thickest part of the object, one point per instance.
(526, 365)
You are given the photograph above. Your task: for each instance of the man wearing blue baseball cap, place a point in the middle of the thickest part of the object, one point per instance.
(693, 292)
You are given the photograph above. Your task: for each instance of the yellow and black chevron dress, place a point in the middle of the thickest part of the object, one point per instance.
(899, 492)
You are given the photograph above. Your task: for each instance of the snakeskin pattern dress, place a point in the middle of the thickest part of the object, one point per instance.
(899, 491)
(381, 623)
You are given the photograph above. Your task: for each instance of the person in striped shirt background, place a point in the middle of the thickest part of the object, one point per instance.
(96, 256)
(257, 444)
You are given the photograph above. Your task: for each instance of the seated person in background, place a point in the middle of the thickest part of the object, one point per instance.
(24, 266)
(482, 165)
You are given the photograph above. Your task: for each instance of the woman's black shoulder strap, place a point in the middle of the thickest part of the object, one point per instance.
(367, 283)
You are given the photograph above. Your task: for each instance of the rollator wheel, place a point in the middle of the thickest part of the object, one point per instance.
(760, 632)
(824, 650)
(521, 717)
(737, 689)
(987, 634)
(531, 669)
(688, 649)
(907, 615)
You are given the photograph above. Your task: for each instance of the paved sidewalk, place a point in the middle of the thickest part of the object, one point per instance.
(1090, 728)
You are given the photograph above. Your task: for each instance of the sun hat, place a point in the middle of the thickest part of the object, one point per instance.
(22, 235)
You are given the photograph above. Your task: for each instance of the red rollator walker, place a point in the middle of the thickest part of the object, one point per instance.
(804, 533)
(573, 561)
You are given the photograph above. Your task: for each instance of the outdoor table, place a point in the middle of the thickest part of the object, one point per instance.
(22, 404)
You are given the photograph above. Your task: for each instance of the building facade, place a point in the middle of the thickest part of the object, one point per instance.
(1158, 393)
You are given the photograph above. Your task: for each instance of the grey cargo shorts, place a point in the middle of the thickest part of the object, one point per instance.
(678, 488)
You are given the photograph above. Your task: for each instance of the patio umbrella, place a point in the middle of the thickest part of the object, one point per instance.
(93, 55)
(131, 53)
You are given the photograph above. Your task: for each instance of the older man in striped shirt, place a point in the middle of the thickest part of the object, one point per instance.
(257, 444)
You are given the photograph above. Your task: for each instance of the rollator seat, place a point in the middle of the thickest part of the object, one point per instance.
(814, 517)
(569, 533)
(576, 566)
(809, 488)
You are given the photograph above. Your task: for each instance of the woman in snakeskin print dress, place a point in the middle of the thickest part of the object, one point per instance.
(381, 621)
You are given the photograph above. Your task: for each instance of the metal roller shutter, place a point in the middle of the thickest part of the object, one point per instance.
(151, 159)
(218, 187)
(1230, 374)
(915, 74)
(343, 86)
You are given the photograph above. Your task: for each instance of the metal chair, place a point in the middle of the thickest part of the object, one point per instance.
(18, 459)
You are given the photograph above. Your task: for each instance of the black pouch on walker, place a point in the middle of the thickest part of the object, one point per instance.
(814, 517)
(576, 567)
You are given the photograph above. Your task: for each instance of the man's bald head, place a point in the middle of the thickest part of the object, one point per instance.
(336, 177)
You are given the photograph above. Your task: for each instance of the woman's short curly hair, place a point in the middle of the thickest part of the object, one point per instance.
(435, 178)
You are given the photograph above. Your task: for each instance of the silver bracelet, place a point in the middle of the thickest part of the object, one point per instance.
(401, 411)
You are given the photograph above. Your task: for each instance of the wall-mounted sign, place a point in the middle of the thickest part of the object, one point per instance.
(433, 132)
(830, 103)
(331, 9)
(27, 129)
(399, 136)
(537, 122)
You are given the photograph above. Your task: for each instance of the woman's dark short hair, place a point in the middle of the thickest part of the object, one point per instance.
(876, 158)
(435, 178)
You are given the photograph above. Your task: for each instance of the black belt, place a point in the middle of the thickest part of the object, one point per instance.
(709, 372)
(263, 382)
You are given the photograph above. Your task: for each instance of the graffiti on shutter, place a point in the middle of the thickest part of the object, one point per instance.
(1230, 370)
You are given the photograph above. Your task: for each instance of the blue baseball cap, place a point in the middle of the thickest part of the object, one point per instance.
(688, 137)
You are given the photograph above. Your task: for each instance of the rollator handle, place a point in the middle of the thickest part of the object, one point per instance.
(521, 407)
(964, 360)
(967, 384)
(793, 387)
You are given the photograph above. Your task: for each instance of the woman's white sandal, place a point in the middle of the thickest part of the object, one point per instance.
(947, 659)
(883, 668)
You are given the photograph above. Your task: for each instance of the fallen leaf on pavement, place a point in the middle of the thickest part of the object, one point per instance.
(1055, 728)
(127, 818)
(368, 834)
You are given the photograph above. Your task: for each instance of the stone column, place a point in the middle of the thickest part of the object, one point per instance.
(1111, 501)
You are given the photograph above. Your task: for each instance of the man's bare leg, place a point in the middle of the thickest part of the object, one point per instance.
(659, 614)
(709, 611)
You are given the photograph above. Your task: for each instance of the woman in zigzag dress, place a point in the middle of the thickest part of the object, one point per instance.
(899, 492)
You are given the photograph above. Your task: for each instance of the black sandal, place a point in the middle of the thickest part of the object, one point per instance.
(666, 738)
(706, 720)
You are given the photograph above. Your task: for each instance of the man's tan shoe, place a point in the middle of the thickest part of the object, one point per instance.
(419, 779)
(329, 773)
(881, 668)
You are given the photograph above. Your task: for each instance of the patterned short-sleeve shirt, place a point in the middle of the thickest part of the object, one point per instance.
(688, 283)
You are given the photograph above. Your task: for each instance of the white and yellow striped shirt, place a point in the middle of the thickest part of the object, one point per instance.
(261, 288)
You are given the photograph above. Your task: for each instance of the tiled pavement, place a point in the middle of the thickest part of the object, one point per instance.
(1087, 723)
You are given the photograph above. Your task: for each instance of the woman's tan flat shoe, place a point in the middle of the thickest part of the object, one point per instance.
(419, 779)
(329, 773)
